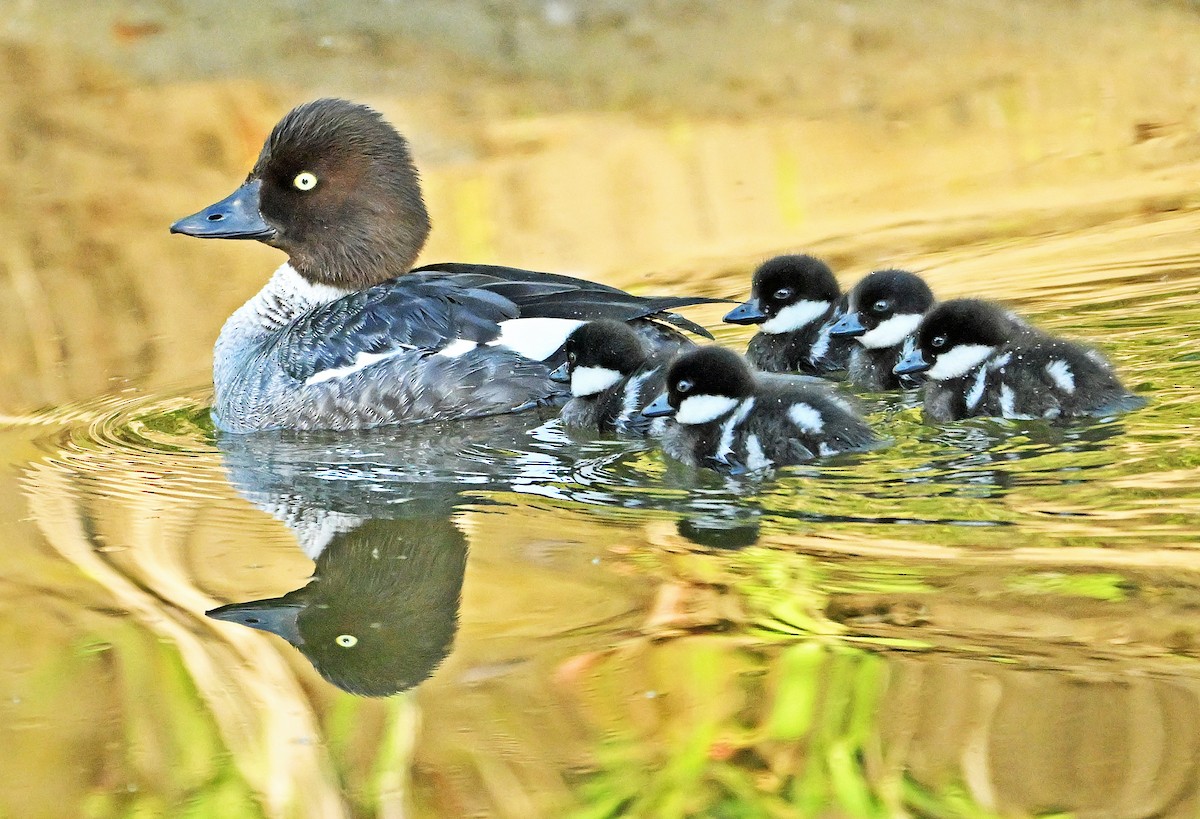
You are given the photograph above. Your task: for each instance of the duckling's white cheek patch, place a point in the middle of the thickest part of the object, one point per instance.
(700, 409)
(591, 380)
(1060, 373)
(891, 332)
(536, 338)
(807, 417)
(795, 316)
(959, 361)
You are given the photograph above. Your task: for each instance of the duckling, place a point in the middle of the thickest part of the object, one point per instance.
(981, 359)
(726, 417)
(612, 376)
(882, 313)
(794, 300)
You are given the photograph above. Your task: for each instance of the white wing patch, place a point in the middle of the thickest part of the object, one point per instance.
(729, 428)
(631, 401)
(1008, 404)
(959, 361)
(1007, 401)
(591, 380)
(795, 316)
(975, 394)
(891, 332)
(361, 362)
(1060, 373)
(536, 338)
(821, 345)
(700, 409)
(807, 417)
(756, 459)
(456, 348)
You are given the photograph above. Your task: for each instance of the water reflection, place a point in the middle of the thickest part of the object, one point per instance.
(376, 510)
(1027, 592)
(381, 611)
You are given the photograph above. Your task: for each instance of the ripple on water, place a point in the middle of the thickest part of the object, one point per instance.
(985, 483)
(122, 445)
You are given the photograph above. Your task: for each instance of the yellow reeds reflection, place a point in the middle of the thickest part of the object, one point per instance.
(236, 702)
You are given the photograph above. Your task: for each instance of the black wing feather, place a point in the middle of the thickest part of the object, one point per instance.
(436, 305)
(416, 314)
(551, 295)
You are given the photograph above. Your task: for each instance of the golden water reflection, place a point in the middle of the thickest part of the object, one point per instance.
(983, 619)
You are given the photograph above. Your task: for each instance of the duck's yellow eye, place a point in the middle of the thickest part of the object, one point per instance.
(305, 181)
(346, 640)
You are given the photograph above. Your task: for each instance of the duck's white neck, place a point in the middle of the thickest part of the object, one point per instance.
(284, 297)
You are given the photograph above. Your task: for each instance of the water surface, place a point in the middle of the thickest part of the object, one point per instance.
(989, 614)
(984, 618)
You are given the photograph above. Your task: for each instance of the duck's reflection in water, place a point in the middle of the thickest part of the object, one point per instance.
(377, 513)
(381, 610)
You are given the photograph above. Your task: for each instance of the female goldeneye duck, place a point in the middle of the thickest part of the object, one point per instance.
(882, 313)
(981, 359)
(726, 417)
(345, 334)
(794, 300)
(611, 377)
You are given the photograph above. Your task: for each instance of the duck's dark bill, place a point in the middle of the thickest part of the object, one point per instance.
(274, 616)
(848, 325)
(748, 313)
(658, 407)
(560, 374)
(234, 217)
(914, 362)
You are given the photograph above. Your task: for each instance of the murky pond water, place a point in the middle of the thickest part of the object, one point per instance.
(983, 618)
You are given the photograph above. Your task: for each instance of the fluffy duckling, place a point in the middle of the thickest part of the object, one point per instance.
(980, 359)
(728, 418)
(882, 314)
(612, 376)
(794, 300)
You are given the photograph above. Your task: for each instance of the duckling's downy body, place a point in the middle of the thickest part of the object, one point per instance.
(612, 375)
(981, 360)
(726, 417)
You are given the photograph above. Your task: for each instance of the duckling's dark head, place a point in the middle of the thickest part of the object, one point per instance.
(884, 308)
(336, 189)
(956, 336)
(788, 292)
(704, 385)
(599, 354)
